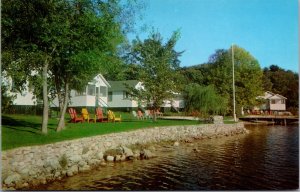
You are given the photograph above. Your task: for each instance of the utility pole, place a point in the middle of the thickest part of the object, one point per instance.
(233, 85)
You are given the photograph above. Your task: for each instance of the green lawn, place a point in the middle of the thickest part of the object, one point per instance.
(24, 130)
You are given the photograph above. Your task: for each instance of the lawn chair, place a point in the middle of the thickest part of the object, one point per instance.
(99, 116)
(140, 114)
(86, 115)
(134, 114)
(158, 113)
(112, 117)
(73, 115)
(148, 114)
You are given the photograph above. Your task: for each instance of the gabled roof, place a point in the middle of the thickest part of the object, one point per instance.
(270, 95)
(100, 77)
(120, 85)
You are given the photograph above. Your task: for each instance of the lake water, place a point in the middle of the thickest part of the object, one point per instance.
(265, 159)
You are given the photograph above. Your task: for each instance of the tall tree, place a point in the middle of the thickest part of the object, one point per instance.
(204, 100)
(218, 72)
(158, 62)
(24, 41)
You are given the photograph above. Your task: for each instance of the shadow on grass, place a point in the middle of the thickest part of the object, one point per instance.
(24, 126)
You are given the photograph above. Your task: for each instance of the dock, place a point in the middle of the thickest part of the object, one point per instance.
(275, 119)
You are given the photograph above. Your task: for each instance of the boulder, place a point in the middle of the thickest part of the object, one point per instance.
(52, 163)
(73, 159)
(84, 168)
(110, 158)
(118, 157)
(82, 163)
(99, 156)
(217, 119)
(146, 154)
(72, 170)
(94, 162)
(12, 179)
(128, 152)
(176, 144)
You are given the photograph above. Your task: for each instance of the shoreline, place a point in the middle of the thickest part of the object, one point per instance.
(27, 167)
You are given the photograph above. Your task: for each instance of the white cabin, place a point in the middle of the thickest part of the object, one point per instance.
(94, 94)
(274, 102)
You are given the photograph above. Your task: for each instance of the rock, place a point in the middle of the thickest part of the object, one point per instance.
(146, 154)
(24, 172)
(110, 158)
(123, 157)
(73, 159)
(176, 144)
(84, 168)
(57, 174)
(53, 163)
(118, 157)
(12, 179)
(93, 162)
(70, 173)
(128, 152)
(72, 170)
(99, 156)
(82, 163)
(103, 163)
(217, 119)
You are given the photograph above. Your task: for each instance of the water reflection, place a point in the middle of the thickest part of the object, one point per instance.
(267, 158)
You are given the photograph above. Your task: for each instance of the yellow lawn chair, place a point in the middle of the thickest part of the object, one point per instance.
(112, 117)
(86, 115)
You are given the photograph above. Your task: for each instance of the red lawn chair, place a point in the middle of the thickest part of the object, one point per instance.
(73, 115)
(99, 116)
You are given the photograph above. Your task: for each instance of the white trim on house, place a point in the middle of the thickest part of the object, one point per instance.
(95, 91)
(274, 102)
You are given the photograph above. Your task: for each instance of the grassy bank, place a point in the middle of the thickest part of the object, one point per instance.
(24, 130)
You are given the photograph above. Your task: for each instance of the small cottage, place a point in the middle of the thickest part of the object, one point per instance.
(94, 94)
(273, 102)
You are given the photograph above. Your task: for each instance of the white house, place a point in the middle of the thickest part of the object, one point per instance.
(94, 94)
(119, 97)
(26, 97)
(273, 102)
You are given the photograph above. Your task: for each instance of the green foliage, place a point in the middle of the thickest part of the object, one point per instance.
(218, 72)
(283, 82)
(205, 100)
(157, 62)
(6, 98)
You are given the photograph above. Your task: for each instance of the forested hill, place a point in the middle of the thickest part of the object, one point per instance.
(274, 79)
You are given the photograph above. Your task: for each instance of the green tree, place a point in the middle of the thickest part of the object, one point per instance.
(205, 100)
(248, 76)
(158, 62)
(24, 41)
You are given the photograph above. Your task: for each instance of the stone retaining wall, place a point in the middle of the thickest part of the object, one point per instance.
(27, 166)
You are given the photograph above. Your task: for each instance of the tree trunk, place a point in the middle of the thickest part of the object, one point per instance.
(45, 98)
(61, 123)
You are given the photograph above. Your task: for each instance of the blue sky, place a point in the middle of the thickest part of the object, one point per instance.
(268, 29)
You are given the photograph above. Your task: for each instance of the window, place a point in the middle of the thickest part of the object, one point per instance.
(91, 89)
(109, 96)
(126, 95)
(272, 101)
(80, 93)
(102, 91)
(282, 101)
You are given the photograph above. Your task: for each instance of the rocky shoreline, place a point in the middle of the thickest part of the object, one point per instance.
(26, 167)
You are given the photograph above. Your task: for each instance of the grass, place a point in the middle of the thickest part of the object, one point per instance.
(25, 130)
